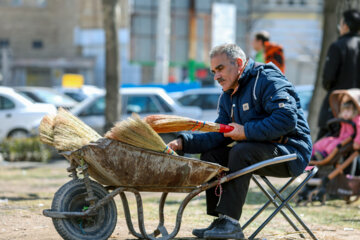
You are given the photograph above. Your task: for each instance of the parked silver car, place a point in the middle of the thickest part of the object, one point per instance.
(205, 98)
(80, 94)
(47, 95)
(144, 101)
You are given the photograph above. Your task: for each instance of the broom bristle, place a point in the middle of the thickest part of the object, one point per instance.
(137, 132)
(70, 133)
(169, 123)
(46, 129)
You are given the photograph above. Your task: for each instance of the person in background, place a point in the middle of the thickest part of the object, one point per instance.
(267, 51)
(265, 111)
(342, 65)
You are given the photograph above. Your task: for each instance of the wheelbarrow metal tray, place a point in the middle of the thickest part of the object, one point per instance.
(118, 164)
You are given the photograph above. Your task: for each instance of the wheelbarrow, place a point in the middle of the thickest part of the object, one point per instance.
(85, 209)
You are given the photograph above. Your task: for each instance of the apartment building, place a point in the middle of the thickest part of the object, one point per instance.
(37, 42)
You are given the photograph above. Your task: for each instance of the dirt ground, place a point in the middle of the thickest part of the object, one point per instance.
(26, 190)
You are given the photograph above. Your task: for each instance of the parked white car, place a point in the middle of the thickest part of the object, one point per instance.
(80, 94)
(205, 98)
(144, 101)
(18, 114)
(47, 95)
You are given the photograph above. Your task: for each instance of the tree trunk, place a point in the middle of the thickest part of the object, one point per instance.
(112, 81)
(333, 10)
(330, 21)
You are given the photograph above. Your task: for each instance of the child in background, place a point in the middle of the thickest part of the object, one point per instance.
(326, 145)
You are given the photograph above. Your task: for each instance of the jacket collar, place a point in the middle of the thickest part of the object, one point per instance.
(349, 34)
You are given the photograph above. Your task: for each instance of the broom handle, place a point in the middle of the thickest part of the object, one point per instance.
(225, 128)
(216, 127)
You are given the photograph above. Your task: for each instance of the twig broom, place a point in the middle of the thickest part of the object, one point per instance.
(170, 123)
(46, 130)
(137, 132)
(70, 133)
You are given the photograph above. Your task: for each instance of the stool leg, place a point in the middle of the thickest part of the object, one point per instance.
(285, 201)
(272, 199)
(267, 203)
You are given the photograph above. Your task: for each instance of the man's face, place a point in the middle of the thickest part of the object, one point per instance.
(257, 44)
(343, 28)
(226, 72)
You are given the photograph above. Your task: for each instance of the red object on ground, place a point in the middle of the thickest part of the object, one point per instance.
(225, 128)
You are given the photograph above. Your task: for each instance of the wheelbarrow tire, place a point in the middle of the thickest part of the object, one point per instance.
(71, 198)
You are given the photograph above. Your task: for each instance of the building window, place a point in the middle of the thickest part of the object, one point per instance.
(37, 44)
(16, 3)
(4, 43)
(41, 3)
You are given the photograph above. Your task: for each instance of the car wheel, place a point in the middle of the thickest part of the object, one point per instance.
(18, 133)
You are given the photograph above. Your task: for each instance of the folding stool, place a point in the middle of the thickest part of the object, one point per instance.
(310, 171)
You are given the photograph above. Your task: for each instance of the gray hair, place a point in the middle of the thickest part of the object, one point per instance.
(231, 50)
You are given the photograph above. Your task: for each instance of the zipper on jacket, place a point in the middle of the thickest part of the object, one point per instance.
(257, 77)
(232, 112)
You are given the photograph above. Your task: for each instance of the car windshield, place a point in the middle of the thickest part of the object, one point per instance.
(204, 101)
(24, 95)
(53, 97)
(77, 96)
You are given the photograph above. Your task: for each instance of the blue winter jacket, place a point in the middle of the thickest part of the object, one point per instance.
(269, 108)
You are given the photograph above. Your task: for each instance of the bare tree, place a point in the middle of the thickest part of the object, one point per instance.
(112, 81)
(331, 16)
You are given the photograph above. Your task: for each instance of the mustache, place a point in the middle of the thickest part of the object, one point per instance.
(219, 80)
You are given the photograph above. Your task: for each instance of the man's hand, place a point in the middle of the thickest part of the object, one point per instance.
(356, 146)
(237, 134)
(176, 144)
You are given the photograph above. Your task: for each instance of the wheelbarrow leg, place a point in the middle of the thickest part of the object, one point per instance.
(128, 216)
(161, 228)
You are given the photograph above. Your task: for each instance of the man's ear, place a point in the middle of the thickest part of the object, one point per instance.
(240, 63)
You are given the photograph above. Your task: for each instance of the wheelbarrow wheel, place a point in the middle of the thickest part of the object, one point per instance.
(71, 198)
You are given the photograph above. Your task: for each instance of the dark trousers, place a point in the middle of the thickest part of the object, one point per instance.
(234, 192)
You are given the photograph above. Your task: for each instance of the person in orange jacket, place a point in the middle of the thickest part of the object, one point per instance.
(267, 51)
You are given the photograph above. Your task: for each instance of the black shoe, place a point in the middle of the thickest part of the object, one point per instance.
(200, 231)
(225, 229)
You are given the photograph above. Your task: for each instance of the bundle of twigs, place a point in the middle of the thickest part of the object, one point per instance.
(169, 123)
(46, 130)
(70, 133)
(137, 132)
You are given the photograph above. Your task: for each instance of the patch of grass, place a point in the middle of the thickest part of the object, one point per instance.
(33, 173)
(30, 192)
